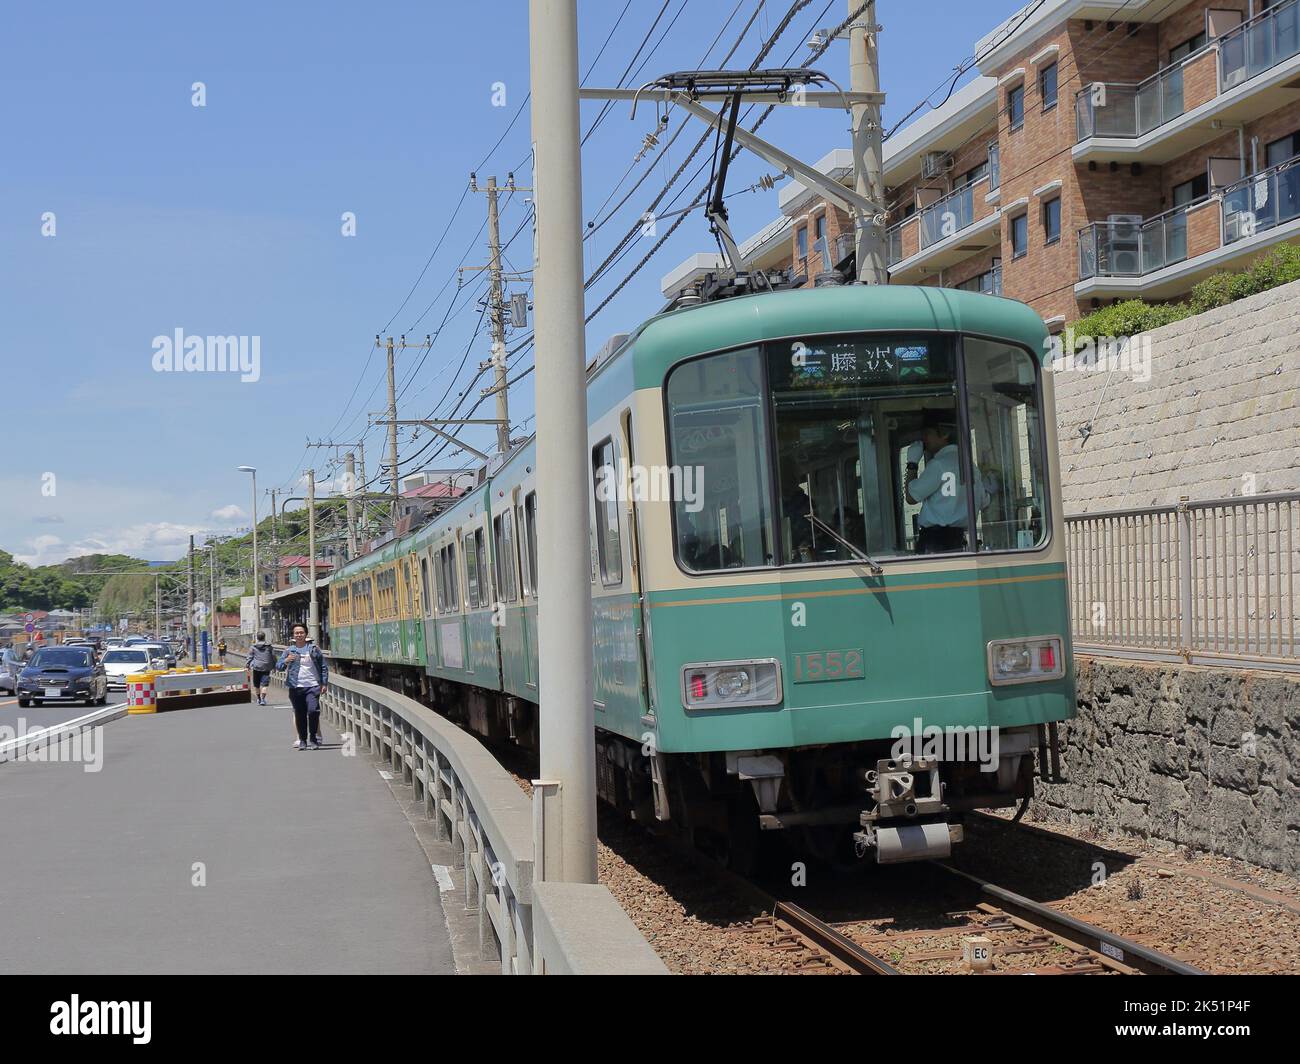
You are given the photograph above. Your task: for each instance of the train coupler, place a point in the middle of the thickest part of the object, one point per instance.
(909, 821)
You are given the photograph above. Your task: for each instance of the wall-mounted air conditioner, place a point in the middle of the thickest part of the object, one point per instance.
(935, 163)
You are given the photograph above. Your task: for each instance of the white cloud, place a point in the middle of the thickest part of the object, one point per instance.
(152, 541)
(229, 514)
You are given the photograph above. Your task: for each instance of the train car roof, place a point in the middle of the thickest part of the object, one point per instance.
(663, 341)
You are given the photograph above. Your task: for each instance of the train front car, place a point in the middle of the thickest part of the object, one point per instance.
(857, 624)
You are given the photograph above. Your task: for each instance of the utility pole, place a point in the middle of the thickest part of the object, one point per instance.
(350, 478)
(189, 603)
(396, 491)
(868, 145)
(567, 719)
(313, 607)
(212, 590)
(497, 308)
(157, 607)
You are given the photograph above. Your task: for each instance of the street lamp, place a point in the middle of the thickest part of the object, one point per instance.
(257, 582)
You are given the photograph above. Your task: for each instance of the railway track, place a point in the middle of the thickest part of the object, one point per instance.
(1005, 933)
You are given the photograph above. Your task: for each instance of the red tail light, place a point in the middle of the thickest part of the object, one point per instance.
(698, 689)
(1047, 658)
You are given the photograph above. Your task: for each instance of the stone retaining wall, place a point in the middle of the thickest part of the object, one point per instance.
(1202, 757)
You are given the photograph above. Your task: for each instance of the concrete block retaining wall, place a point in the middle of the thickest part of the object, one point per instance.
(1203, 757)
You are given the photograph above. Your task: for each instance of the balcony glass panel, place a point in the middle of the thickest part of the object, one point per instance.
(1271, 37)
(1111, 110)
(947, 216)
(895, 245)
(1262, 202)
(1130, 249)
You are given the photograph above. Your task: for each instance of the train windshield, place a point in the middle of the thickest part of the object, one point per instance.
(829, 449)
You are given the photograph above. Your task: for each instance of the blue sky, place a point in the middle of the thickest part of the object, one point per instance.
(226, 220)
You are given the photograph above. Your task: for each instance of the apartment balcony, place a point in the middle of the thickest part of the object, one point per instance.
(943, 233)
(1236, 78)
(1165, 256)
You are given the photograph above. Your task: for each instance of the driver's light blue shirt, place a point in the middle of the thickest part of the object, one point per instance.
(940, 491)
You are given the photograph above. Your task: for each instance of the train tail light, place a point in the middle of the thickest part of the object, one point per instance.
(1013, 661)
(724, 684)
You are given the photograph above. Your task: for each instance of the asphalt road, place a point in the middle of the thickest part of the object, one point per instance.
(206, 843)
(34, 717)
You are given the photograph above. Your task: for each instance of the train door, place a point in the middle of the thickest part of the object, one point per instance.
(637, 583)
(428, 582)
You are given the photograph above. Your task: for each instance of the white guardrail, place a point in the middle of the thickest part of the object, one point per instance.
(17, 748)
(533, 927)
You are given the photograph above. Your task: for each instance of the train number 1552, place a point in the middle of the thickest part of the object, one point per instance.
(819, 665)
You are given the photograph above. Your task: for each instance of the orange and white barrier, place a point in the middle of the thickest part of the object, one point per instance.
(141, 696)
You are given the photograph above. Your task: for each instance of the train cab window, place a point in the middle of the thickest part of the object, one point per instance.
(530, 539)
(718, 432)
(849, 415)
(1006, 444)
(605, 486)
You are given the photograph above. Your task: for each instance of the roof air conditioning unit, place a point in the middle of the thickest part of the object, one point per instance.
(935, 164)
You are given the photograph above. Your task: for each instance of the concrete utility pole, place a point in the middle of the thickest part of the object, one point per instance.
(497, 308)
(350, 478)
(212, 591)
(868, 145)
(395, 479)
(313, 606)
(568, 764)
(157, 606)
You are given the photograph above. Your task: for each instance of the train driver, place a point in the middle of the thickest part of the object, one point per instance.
(940, 490)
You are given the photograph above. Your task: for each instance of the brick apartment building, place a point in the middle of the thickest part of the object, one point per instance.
(1111, 149)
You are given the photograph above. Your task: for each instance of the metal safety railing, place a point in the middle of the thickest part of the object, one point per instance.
(1210, 583)
(1259, 43)
(477, 808)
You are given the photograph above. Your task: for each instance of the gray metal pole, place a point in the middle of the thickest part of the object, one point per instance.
(189, 602)
(157, 608)
(498, 319)
(868, 149)
(313, 606)
(564, 603)
(257, 577)
(392, 435)
(213, 623)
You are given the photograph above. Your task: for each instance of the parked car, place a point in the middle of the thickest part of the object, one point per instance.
(159, 650)
(63, 674)
(11, 664)
(121, 662)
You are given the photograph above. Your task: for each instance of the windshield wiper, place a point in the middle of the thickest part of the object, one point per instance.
(817, 522)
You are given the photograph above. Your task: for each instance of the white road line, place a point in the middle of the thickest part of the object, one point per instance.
(385, 774)
(442, 874)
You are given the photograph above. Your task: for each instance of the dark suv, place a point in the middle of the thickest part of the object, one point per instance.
(63, 674)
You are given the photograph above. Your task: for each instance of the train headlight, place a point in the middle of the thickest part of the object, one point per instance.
(1013, 661)
(724, 684)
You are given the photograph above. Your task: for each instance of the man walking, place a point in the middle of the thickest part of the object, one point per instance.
(306, 676)
(261, 660)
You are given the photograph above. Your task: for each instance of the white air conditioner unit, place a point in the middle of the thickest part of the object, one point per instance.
(1125, 226)
(935, 164)
(1125, 262)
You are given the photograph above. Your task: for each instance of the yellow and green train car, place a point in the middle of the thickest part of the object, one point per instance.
(827, 571)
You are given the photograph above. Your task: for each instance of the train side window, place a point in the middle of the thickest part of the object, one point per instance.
(719, 438)
(530, 539)
(472, 570)
(424, 584)
(1002, 393)
(484, 588)
(605, 485)
(454, 573)
(504, 557)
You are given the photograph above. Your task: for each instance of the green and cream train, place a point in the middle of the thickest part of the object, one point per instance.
(827, 572)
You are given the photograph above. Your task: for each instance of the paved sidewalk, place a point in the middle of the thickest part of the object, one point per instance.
(310, 865)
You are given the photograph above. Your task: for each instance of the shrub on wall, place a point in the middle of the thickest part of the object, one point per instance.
(1279, 266)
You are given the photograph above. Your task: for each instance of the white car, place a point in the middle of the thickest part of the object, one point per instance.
(121, 662)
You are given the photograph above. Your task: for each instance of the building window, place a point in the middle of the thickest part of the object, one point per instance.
(1047, 86)
(975, 173)
(1191, 191)
(1279, 151)
(1016, 107)
(1188, 46)
(1019, 235)
(801, 240)
(1052, 221)
(819, 227)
